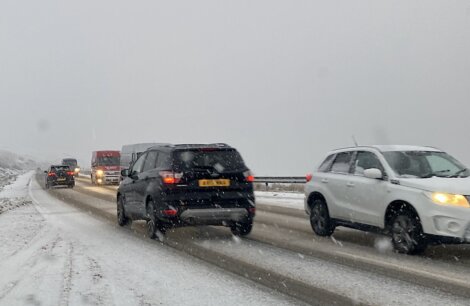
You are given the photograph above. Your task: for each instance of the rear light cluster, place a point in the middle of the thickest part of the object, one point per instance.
(249, 177)
(70, 173)
(51, 174)
(308, 177)
(170, 177)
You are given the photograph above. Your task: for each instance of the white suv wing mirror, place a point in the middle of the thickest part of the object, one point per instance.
(373, 173)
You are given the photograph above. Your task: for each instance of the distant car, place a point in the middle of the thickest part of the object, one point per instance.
(418, 195)
(59, 175)
(73, 164)
(181, 185)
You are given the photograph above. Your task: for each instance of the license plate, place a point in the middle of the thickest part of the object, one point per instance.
(61, 179)
(214, 183)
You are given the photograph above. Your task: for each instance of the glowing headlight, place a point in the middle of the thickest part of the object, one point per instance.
(99, 172)
(77, 170)
(442, 198)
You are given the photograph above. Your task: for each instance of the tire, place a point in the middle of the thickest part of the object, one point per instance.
(47, 185)
(121, 213)
(71, 185)
(242, 228)
(153, 224)
(320, 220)
(407, 234)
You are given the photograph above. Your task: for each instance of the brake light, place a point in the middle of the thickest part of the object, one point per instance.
(70, 173)
(170, 177)
(308, 177)
(249, 177)
(170, 212)
(252, 210)
(51, 174)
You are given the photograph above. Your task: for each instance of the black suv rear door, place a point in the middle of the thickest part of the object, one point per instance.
(211, 176)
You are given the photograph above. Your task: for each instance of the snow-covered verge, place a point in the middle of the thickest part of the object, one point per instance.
(7, 176)
(54, 254)
(291, 200)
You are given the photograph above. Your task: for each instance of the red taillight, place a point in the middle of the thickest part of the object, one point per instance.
(51, 174)
(70, 173)
(309, 177)
(249, 177)
(252, 210)
(170, 212)
(170, 177)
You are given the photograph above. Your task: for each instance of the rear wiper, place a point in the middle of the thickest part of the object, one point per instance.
(457, 174)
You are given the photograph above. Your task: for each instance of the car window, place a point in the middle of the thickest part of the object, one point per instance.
(326, 165)
(342, 162)
(366, 160)
(163, 161)
(150, 161)
(137, 167)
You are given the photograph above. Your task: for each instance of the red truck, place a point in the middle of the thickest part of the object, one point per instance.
(105, 167)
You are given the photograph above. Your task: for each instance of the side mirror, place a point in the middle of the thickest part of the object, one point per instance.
(45, 172)
(125, 172)
(373, 173)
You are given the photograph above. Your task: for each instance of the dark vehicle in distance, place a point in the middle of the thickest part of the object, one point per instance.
(73, 165)
(59, 175)
(184, 185)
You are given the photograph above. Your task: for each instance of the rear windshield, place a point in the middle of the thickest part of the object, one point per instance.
(69, 162)
(60, 168)
(220, 160)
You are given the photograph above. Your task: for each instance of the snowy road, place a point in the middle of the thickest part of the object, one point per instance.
(54, 254)
(83, 261)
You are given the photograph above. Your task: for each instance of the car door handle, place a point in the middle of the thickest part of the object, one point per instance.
(350, 184)
(324, 180)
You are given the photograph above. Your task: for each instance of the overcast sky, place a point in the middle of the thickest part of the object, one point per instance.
(283, 81)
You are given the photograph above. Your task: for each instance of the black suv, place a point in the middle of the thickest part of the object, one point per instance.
(59, 175)
(191, 184)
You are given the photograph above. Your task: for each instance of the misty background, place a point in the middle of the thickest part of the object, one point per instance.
(282, 81)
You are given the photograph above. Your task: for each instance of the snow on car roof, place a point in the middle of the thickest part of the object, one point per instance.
(388, 148)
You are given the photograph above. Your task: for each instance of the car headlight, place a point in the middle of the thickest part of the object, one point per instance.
(449, 199)
(77, 169)
(99, 172)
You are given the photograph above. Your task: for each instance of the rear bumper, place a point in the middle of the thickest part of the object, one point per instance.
(214, 216)
(59, 183)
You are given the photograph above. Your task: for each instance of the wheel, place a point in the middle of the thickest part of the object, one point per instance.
(121, 214)
(47, 185)
(242, 228)
(407, 234)
(155, 228)
(320, 219)
(71, 185)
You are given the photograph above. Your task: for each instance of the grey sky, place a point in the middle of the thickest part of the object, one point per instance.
(283, 81)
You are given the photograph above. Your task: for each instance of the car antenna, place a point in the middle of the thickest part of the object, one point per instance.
(354, 140)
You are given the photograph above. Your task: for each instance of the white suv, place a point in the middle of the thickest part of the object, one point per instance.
(416, 194)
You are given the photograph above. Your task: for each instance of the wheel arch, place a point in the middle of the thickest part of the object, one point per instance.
(315, 196)
(396, 207)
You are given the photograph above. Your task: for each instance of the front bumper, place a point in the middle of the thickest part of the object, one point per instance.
(447, 221)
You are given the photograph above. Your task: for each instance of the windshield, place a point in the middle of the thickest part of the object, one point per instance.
(108, 161)
(425, 164)
(220, 160)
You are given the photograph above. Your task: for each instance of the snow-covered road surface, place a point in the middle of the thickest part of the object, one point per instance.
(54, 254)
